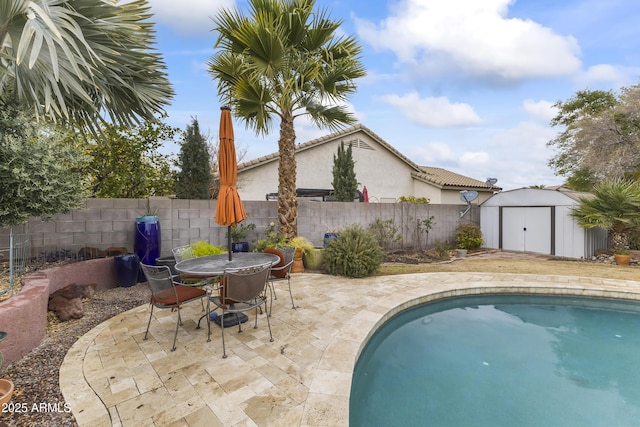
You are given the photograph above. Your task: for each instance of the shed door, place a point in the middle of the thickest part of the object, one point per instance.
(527, 229)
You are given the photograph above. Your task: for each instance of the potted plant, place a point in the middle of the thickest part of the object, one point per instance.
(6, 386)
(239, 236)
(147, 237)
(303, 248)
(622, 257)
(329, 235)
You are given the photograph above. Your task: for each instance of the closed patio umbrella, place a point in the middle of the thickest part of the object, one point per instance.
(229, 209)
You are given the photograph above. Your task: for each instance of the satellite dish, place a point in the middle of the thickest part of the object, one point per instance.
(491, 181)
(468, 196)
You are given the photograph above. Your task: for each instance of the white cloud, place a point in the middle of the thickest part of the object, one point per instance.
(608, 74)
(432, 153)
(188, 16)
(433, 112)
(540, 110)
(474, 158)
(475, 38)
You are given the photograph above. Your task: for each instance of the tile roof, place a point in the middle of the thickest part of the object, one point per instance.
(446, 179)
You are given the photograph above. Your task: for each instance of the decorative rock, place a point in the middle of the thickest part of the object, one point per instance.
(67, 309)
(67, 302)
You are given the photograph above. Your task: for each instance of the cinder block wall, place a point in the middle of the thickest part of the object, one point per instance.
(103, 223)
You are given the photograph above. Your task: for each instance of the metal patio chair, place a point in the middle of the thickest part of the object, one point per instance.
(237, 292)
(166, 293)
(281, 271)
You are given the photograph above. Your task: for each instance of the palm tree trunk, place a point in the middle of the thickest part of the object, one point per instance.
(287, 202)
(619, 239)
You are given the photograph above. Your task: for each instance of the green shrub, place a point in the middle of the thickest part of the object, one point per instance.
(413, 199)
(272, 240)
(355, 253)
(385, 232)
(441, 249)
(202, 248)
(469, 236)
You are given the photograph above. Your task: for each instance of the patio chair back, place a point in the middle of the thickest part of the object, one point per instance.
(281, 270)
(182, 253)
(240, 291)
(166, 293)
(245, 285)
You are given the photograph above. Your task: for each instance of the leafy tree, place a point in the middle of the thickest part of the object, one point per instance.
(125, 161)
(615, 206)
(581, 180)
(344, 182)
(283, 61)
(194, 178)
(601, 136)
(40, 170)
(75, 60)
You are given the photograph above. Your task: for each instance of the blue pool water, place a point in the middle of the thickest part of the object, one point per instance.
(502, 361)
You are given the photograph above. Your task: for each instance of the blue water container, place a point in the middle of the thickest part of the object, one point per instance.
(147, 242)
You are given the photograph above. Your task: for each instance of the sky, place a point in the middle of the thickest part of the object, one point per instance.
(465, 85)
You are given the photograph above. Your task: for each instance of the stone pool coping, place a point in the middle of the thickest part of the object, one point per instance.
(111, 376)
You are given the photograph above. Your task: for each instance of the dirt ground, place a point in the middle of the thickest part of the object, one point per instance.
(496, 261)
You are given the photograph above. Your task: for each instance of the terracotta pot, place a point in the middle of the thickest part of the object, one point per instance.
(298, 265)
(622, 259)
(6, 390)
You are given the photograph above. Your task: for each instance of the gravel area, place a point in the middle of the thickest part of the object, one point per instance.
(35, 376)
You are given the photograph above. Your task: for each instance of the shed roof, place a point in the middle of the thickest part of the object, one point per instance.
(536, 197)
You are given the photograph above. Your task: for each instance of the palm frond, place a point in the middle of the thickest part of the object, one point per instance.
(83, 61)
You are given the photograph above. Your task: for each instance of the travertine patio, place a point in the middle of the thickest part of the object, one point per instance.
(111, 376)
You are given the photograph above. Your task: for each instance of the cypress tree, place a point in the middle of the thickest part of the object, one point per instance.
(194, 178)
(344, 182)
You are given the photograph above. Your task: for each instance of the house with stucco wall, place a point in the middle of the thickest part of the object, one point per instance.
(386, 173)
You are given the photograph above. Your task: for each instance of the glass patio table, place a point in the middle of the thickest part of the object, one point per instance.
(215, 265)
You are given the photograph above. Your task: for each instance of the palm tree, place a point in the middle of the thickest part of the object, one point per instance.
(615, 206)
(285, 61)
(73, 61)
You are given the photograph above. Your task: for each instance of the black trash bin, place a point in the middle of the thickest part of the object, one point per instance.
(169, 261)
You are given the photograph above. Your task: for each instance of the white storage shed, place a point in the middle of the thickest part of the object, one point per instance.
(538, 221)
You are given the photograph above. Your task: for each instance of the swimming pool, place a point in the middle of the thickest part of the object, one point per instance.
(502, 361)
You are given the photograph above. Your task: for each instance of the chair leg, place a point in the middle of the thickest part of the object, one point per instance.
(268, 324)
(239, 322)
(208, 321)
(149, 323)
(272, 292)
(224, 349)
(202, 317)
(291, 295)
(175, 336)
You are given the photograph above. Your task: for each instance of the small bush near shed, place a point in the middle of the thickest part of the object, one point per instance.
(469, 236)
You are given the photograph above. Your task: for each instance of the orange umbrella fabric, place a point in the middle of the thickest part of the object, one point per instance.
(229, 209)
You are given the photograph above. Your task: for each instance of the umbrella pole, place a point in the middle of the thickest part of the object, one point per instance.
(229, 241)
